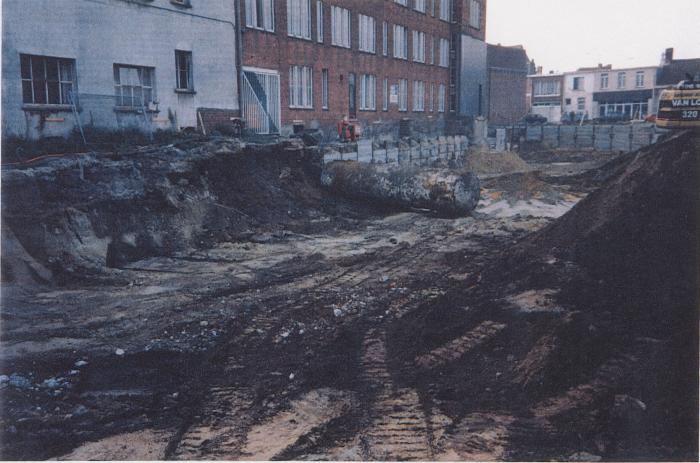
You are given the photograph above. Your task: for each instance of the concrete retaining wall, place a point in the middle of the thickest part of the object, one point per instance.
(627, 137)
(423, 153)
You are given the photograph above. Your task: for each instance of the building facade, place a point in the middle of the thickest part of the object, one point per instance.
(545, 95)
(624, 94)
(508, 69)
(577, 94)
(116, 64)
(312, 63)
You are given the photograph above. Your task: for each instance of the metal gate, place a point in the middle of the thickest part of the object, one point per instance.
(261, 100)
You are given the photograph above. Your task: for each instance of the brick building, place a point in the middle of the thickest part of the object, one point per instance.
(508, 68)
(313, 62)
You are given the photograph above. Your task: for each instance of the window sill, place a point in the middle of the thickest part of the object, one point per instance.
(259, 29)
(368, 52)
(185, 91)
(341, 46)
(130, 109)
(301, 108)
(307, 39)
(47, 107)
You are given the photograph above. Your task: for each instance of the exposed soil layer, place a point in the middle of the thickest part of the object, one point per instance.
(303, 326)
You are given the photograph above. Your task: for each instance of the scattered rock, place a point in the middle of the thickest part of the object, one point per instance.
(19, 382)
(80, 363)
(337, 312)
(204, 323)
(584, 456)
(119, 352)
(291, 376)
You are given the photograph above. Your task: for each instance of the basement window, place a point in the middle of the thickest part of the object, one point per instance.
(47, 80)
(134, 86)
(183, 70)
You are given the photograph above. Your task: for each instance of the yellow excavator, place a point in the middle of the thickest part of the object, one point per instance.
(679, 107)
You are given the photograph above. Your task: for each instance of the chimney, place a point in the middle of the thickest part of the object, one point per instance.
(539, 70)
(668, 56)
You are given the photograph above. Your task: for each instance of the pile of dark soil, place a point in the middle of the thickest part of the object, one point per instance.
(599, 353)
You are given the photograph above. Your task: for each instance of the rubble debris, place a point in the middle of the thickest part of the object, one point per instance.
(445, 191)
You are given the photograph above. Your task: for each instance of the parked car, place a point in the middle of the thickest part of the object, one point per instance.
(535, 119)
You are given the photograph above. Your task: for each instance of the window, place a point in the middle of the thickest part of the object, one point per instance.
(604, 81)
(300, 87)
(444, 53)
(340, 27)
(183, 70)
(324, 88)
(432, 97)
(639, 79)
(547, 88)
(385, 95)
(581, 104)
(419, 5)
(385, 38)
(475, 14)
(446, 10)
(319, 21)
(260, 14)
(578, 83)
(441, 98)
(299, 18)
(419, 47)
(367, 36)
(418, 95)
(403, 95)
(402, 2)
(400, 42)
(47, 80)
(432, 7)
(621, 80)
(368, 92)
(133, 85)
(431, 49)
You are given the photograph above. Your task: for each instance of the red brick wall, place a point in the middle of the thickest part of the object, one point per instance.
(278, 51)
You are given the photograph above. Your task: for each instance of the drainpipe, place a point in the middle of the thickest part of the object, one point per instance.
(239, 53)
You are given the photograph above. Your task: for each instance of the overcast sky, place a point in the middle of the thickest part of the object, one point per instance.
(563, 35)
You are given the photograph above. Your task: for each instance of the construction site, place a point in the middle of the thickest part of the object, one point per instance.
(209, 298)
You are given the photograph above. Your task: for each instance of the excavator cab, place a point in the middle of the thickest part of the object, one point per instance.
(679, 107)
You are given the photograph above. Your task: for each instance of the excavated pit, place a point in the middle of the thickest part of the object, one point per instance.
(213, 301)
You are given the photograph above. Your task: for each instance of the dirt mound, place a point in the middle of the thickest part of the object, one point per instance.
(491, 163)
(598, 314)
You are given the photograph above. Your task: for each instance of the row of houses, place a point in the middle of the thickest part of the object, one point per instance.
(603, 92)
(274, 64)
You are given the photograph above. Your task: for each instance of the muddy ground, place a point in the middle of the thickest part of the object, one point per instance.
(298, 325)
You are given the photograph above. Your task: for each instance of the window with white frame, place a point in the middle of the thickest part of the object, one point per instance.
(444, 53)
(547, 88)
(432, 97)
(419, 5)
(418, 95)
(340, 27)
(400, 42)
(183, 70)
(324, 88)
(367, 33)
(475, 14)
(368, 92)
(385, 38)
(446, 10)
(299, 18)
(301, 87)
(47, 80)
(319, 21)
(403, 95)
(431, 4)
(621, 80)
(260, 14)
(604, 81)
(639, 79)
(133, 85)
(578, 83)
(581, 104)
(441, 98)
(431, 49)
(419, 47)
(385, 95)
